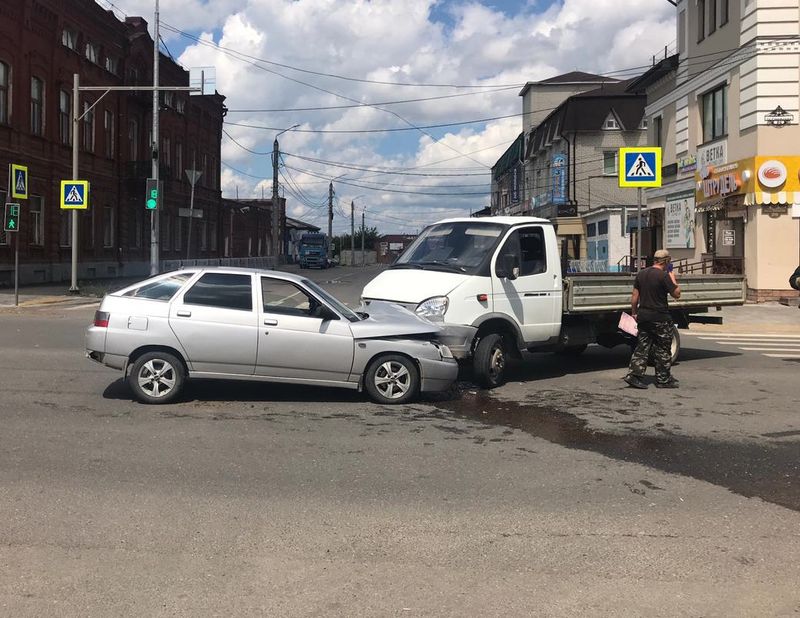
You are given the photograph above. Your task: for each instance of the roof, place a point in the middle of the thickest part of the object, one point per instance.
(587, 111)
(509, 158)
(654, 74)
(573, 77)
(300, 225)
(500, 220)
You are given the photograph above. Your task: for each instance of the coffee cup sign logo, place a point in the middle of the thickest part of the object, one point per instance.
(772, 174)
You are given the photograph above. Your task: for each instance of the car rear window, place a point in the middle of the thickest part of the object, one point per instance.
(163, 289)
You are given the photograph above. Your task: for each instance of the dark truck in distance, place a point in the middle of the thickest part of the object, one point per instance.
(314, 250)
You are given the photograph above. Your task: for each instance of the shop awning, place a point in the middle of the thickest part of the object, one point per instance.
(779, 197)
(721, 203)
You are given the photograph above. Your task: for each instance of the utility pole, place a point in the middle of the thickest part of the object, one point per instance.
(639, 231)
(193, 175)
(363, 230)
(352, 234)
(73, 288)
(154, 214)
(330, 222)
(276, 241)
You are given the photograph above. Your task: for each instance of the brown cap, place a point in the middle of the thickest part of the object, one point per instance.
(662, 255)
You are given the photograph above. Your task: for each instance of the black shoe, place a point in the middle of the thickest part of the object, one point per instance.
(635, 381)
(671, 383)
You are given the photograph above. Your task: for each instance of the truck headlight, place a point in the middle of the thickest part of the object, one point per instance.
(432, 309)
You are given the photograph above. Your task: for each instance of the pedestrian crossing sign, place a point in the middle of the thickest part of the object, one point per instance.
(640, 167)
(19, 182)
(74, 194)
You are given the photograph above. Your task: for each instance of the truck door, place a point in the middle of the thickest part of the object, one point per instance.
(533, 296)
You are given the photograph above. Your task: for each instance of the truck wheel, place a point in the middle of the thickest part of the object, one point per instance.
(157, 377)
(392, 379)
(675, 346)
(490, 360)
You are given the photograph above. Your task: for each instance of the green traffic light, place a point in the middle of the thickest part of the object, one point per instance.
(151, 204)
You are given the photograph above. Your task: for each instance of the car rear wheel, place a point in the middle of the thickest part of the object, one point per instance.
(157, 377)
(392, 379)
(490, 361)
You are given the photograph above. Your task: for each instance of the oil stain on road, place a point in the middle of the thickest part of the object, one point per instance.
(767, 471)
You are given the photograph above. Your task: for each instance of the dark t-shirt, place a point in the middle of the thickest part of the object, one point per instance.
(653, 284)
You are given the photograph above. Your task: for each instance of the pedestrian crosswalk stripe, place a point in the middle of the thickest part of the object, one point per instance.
(743, 335)
(752, 341)
(790, 350)
(783, 355)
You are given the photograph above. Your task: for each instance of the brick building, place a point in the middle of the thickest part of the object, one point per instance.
(42, 44)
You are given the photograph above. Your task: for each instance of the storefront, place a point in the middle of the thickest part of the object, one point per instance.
(749, 214)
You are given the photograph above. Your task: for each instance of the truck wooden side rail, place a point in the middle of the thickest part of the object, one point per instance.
(604, 292)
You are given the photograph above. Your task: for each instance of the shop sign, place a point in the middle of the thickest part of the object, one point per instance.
(687, 163)
(515, 175)
(728, 238)
(711, 156)
(726, 182)
(558, 171)
(679, 220)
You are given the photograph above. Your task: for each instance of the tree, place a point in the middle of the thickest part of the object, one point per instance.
(342, 242)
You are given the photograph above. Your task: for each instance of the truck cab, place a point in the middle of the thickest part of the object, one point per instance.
(313, 252)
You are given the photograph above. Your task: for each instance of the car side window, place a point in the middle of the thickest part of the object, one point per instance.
(510, 251)
(223, 290)
(284, 297)
(532, 248)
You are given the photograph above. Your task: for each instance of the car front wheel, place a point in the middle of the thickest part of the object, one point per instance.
(157, 377)
(392, 379)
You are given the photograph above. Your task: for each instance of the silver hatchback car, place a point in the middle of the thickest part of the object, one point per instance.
(238, 323)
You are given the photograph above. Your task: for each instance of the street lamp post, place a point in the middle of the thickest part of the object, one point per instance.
(276, 242)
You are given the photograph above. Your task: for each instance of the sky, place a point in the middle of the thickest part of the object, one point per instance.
(345, 71)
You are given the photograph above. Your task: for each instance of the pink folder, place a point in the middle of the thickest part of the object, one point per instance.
(628, 324)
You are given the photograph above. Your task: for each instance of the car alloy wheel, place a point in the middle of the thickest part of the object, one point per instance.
(392, 380)
(157, 378)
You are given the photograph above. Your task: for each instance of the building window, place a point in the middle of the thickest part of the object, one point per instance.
(610, 162)
(133, 139)
(179, 161)
(112, 65)
(602, 227)
(166, 152)
(69, 38)
(37, 106)
(5, 84)
(610, 122)
(92, 53)
(89, 224)
(65, 229)
(205, 171)
(724, 12)
(591, 230)
(203, 235)
(166, 235)
(37, 221)
(133, 76)
(643, 123)
(108, 226)
(65, 117)
(212, 234)
(180, 105)
(712, 16)
(169, 99)
(212, 172)
(137, 227)
(715, 114)
(701, 20)
(3, 234)
(108, 133)
(658, 123)
(178, 233)
(681, 32)
(87, 134)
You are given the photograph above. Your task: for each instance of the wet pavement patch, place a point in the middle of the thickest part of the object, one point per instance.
(768, 471)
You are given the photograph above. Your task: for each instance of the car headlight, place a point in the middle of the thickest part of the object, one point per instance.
(432, 309)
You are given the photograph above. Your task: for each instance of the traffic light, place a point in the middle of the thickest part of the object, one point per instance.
(11, 219)
(152, 194)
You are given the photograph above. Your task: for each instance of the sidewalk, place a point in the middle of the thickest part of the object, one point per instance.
(763, 319)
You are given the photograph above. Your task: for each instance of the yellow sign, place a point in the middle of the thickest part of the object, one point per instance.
(755, 175)
(640, 167)
(19, 182)
(74, 194)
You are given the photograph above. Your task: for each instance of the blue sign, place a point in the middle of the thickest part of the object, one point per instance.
(19, 181)
(74, 194)
(640, 167)
(558, 172)
(515, 184)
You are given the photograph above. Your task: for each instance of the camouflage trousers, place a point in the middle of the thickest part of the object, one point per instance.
(655, 338)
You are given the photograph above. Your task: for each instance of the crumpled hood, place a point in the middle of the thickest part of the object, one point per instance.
(390, 320)
(410, 285)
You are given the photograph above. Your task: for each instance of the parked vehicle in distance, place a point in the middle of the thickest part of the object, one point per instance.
(247, 324)
(313, 251)
(496, 286)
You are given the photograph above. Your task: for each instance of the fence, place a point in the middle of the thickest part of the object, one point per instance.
(264, 263)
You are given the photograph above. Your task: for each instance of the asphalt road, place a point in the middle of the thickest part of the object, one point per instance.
(561, 493)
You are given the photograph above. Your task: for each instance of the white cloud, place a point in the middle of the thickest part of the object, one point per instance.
(395, 41)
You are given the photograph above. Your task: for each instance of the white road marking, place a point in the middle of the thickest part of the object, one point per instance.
(783, 355)
(741, 335)
(789, 350)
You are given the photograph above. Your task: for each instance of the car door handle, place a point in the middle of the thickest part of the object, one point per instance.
(270, 322)
(182, 313)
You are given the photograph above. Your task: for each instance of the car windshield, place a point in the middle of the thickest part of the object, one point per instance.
(332, 301)
(457, 247)
(163, 288)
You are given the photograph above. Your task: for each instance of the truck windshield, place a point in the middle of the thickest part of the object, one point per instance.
(457, 247)
(313, 241)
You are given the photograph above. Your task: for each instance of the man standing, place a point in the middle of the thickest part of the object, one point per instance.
(649, 308)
